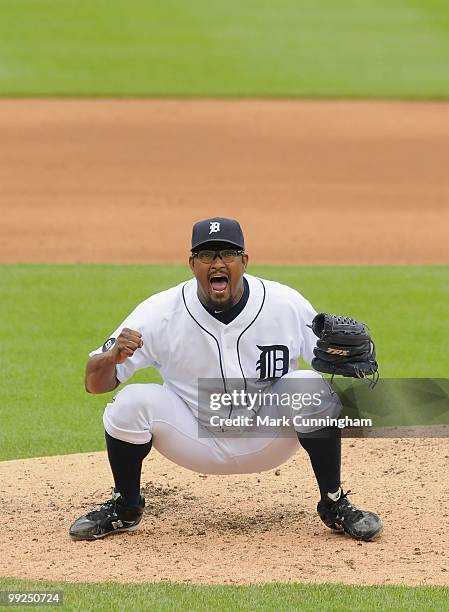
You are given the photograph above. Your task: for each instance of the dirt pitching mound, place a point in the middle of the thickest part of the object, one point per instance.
(236, 529)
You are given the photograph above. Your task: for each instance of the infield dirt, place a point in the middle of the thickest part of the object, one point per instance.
(311, 182)
(327, 182)
(233, 529)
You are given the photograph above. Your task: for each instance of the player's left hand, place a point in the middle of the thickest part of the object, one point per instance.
(344, 347)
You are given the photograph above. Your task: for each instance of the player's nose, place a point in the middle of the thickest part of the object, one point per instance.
(217, 261)
(218, 266)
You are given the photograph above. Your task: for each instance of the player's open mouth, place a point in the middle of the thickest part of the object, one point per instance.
(218, 283)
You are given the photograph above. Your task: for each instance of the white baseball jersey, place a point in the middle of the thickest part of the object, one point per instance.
(186, 343)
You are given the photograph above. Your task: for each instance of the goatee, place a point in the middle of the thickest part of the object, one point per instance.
(220, 306)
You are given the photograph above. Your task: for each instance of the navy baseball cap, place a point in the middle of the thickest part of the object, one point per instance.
(217, 229)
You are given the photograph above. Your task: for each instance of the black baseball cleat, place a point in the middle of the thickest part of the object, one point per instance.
(112, 517)
(341, 515)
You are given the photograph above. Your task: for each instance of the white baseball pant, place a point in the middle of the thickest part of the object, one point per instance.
(143, 412)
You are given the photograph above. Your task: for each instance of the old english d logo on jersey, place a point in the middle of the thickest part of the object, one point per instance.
(273, 362)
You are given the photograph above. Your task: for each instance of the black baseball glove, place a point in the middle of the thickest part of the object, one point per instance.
(344, 347)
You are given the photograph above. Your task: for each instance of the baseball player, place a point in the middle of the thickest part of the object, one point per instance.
(229, 337)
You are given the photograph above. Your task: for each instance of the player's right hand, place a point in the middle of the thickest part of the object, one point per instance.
(126, 344)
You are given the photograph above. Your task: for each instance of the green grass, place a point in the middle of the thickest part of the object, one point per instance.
(354, 48)
(278, 596)
(51, 316)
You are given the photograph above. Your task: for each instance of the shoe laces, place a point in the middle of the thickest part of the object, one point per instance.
(108, 508)
(343, 508)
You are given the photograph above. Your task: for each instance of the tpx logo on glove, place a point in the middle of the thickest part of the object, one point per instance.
(334, 351)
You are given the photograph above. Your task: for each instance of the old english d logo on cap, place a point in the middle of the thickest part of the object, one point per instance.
(217, 229)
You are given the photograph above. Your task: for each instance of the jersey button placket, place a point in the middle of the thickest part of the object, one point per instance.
(230, 354)
(226, 350)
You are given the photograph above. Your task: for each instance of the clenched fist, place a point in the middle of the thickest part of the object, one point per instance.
(126, 344)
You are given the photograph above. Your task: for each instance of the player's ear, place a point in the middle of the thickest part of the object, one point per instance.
(191, 259)
(245, 261)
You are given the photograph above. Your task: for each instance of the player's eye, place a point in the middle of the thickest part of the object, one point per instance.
(228, 255)
(206, 256)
